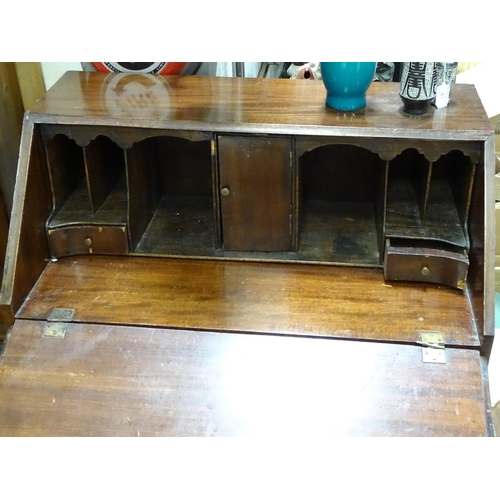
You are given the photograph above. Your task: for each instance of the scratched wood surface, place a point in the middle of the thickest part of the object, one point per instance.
(122, 381)
(290, 299)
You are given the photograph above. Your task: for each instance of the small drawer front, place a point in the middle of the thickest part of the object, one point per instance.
(429, 265)
(77, 240)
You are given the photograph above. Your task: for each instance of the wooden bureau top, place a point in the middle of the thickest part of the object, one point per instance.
(250, 105)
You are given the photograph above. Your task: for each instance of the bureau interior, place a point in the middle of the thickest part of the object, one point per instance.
(171, 203)
(430, 201)
(352, 203)
(339, 175)
(88, 184)
(341, 200)
(161, 192)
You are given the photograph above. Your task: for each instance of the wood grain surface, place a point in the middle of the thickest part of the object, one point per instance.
(121, 381)
(256, 211)
(251, 105)
(289, 299)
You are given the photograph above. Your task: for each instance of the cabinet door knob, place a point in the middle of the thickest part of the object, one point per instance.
(224, 191)
(88, 242)
(426, 271)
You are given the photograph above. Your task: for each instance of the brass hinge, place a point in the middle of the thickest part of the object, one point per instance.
(57, 322)
(433, 350)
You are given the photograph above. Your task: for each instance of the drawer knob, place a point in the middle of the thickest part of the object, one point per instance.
(426, 271)
(224, 191)
(88, 242)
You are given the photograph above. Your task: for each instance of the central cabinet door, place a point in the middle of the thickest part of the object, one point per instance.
(256, 193)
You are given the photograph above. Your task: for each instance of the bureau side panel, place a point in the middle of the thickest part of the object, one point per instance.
(482, 252)
(27, 248)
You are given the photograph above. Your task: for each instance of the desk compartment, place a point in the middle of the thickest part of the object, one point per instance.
(99, 240)
(303, 199)
(429, 200)
(89, 197)
(424, 261)
(171, 196)
(340, 200)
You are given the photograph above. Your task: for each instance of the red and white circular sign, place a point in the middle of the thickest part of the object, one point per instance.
(155, 68)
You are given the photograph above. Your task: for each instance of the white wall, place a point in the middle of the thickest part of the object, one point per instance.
(252, 69)
(52, 71)
(486, 78)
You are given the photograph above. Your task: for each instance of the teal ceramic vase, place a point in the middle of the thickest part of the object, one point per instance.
(346, 83)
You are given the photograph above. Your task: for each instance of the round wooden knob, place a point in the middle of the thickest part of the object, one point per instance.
(224, 191)
(426, 271)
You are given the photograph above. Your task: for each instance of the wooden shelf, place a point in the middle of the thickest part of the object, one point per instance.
(339, 233)
(180, 226)
(441, 222)
(77, 209)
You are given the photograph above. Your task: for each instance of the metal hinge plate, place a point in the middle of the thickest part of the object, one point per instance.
(433, 350)
(57, 322)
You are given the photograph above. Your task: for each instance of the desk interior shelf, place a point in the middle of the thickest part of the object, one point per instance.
(242, 198)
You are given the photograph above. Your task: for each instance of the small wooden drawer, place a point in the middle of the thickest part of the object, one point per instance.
(409, 260)
(77, 240)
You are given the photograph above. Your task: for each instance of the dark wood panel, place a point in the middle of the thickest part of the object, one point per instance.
(66, 168)
(104, 165)
(118, 381)
(482, 250)
(257, 209)
(186, 167)
(143, 187)
(76, 210)
(381, 207)
(459, 171)
(290, 299)
(341, 173)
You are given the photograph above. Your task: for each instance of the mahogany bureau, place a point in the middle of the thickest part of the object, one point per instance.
(198, 256)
